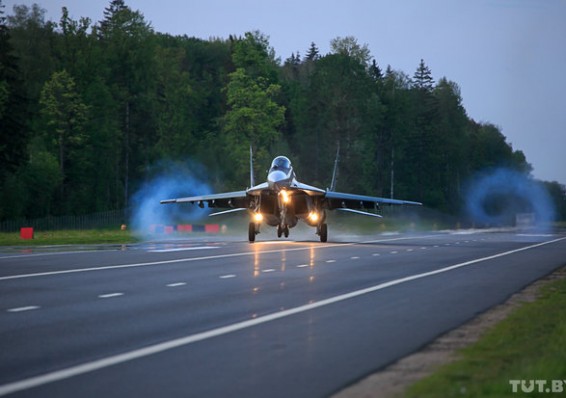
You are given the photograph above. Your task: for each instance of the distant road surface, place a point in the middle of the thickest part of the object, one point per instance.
(216, 318)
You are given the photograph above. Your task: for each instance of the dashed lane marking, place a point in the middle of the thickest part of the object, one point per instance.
(227, 276)
(176, 284)
(110, 295)
(23, 309)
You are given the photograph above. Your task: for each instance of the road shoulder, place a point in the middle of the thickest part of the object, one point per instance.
(395, 379)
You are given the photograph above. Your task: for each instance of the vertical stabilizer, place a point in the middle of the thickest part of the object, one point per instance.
(252, 179)
(335, 172)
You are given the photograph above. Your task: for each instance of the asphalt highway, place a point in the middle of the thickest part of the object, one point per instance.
(215, 318)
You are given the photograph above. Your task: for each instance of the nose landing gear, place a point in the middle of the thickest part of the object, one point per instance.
(282, 231)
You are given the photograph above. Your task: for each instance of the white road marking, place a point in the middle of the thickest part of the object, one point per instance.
(330, 261)
(22, 309)
(394, 252)
(268, 270)
(181, 249)
(190, 259)
(110, 295)
(354, 258)
(423, 248)
(409, 250)
(376, 254)
(177, 284)
(190, 339)
(56, 253)
(302, 265)
(227, 276)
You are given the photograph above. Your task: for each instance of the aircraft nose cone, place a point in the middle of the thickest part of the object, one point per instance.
(276, 179)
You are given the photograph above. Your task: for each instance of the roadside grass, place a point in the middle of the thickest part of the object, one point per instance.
(530, 344)
(68, 237)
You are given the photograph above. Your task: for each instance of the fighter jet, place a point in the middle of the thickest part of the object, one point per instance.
(282, 201)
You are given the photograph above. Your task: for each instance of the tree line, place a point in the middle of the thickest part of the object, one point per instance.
(87, 109)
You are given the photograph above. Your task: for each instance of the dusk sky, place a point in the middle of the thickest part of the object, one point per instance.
(507, 56)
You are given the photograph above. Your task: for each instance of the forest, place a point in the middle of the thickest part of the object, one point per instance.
(89, 110)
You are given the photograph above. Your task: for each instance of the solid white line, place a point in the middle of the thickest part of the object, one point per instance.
(22, 309)
(110, 295)
(181, 249)
(227, 276)
(176, 284)
(189, 259)
(55, 253)
(183, 341)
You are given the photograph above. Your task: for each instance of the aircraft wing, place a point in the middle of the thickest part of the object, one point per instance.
(237, 199)
(257, 189)
(308, 189)
(337, 200)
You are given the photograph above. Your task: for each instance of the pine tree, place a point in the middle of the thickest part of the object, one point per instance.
(110, 12)
(313, 53)
(422, 79)
(375, 72)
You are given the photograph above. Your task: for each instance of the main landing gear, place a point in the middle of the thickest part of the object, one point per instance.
(252, 231)
(322, 231)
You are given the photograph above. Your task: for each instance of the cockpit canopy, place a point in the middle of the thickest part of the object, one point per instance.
(281, 163)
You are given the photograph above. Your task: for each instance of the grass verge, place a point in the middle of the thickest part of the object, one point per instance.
(68, 237)
(530, 344)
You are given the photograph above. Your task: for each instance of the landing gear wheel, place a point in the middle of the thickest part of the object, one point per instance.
(323, 232)
(286, 232)
(251, 232)
(279, 231)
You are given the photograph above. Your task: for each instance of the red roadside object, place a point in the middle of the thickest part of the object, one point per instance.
(26, 233)
(211, 228)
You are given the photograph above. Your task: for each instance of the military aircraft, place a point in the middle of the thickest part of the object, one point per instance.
(282, 201)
